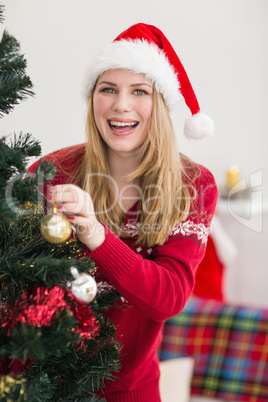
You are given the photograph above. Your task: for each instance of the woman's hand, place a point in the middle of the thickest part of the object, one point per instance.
(78, 206)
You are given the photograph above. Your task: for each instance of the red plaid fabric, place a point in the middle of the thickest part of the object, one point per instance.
(230, 347)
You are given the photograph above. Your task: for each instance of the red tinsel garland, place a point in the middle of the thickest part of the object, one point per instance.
(41, 307)
(88, 326)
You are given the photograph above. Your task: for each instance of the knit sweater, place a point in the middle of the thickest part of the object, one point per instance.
(154, 282)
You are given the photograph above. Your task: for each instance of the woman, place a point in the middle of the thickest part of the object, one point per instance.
(142, 209)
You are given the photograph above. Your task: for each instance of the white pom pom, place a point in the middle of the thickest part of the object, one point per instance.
(198, 127)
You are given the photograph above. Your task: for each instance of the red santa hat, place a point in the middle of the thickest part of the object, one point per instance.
(144, 49)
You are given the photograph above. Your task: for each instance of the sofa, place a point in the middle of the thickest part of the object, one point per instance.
(215, 351)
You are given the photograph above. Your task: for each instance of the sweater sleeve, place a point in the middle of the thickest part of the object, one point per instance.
(161, 285)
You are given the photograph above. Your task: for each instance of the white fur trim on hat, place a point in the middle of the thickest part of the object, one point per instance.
(138, 56)
(198, 127)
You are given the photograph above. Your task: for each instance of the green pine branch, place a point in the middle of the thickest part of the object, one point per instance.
(15, 84)
(15, 189)
(60, 370)
(1, 13)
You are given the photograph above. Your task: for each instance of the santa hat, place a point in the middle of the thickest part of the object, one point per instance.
(144, 49)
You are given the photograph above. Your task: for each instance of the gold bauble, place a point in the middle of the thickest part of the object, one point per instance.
(56, 227)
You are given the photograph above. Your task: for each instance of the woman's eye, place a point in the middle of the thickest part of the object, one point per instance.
(108, 90)
(140, 92)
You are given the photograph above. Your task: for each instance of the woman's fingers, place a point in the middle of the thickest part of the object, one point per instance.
(71, 200)
(64, 193)
(78, 206)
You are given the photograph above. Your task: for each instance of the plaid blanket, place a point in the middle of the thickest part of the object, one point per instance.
(230, 347)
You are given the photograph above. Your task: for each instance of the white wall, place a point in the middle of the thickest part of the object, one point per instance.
(223, 45)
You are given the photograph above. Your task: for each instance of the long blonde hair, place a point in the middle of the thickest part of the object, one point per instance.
(162, 175)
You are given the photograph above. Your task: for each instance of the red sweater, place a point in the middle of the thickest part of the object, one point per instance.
(154, 282)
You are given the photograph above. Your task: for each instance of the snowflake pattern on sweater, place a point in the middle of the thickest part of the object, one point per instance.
(189, 228)
(186, 228)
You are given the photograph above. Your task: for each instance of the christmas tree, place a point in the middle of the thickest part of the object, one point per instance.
(54, 346)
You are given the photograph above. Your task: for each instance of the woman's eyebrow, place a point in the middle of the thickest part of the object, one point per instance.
(107, 83)
(141, 83)
(132, 85)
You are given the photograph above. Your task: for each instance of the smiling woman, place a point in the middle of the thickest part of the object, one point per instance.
(142, 209)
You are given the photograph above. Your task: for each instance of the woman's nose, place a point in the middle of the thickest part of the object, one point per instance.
(121, 103)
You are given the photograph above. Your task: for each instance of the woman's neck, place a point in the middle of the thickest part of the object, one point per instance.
(121, 166)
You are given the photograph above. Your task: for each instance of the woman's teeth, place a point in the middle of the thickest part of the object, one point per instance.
(122, 125)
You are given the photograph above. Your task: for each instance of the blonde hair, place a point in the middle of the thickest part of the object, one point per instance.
(165, 199)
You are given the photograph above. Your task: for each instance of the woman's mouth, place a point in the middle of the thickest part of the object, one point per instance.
(122, 126)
